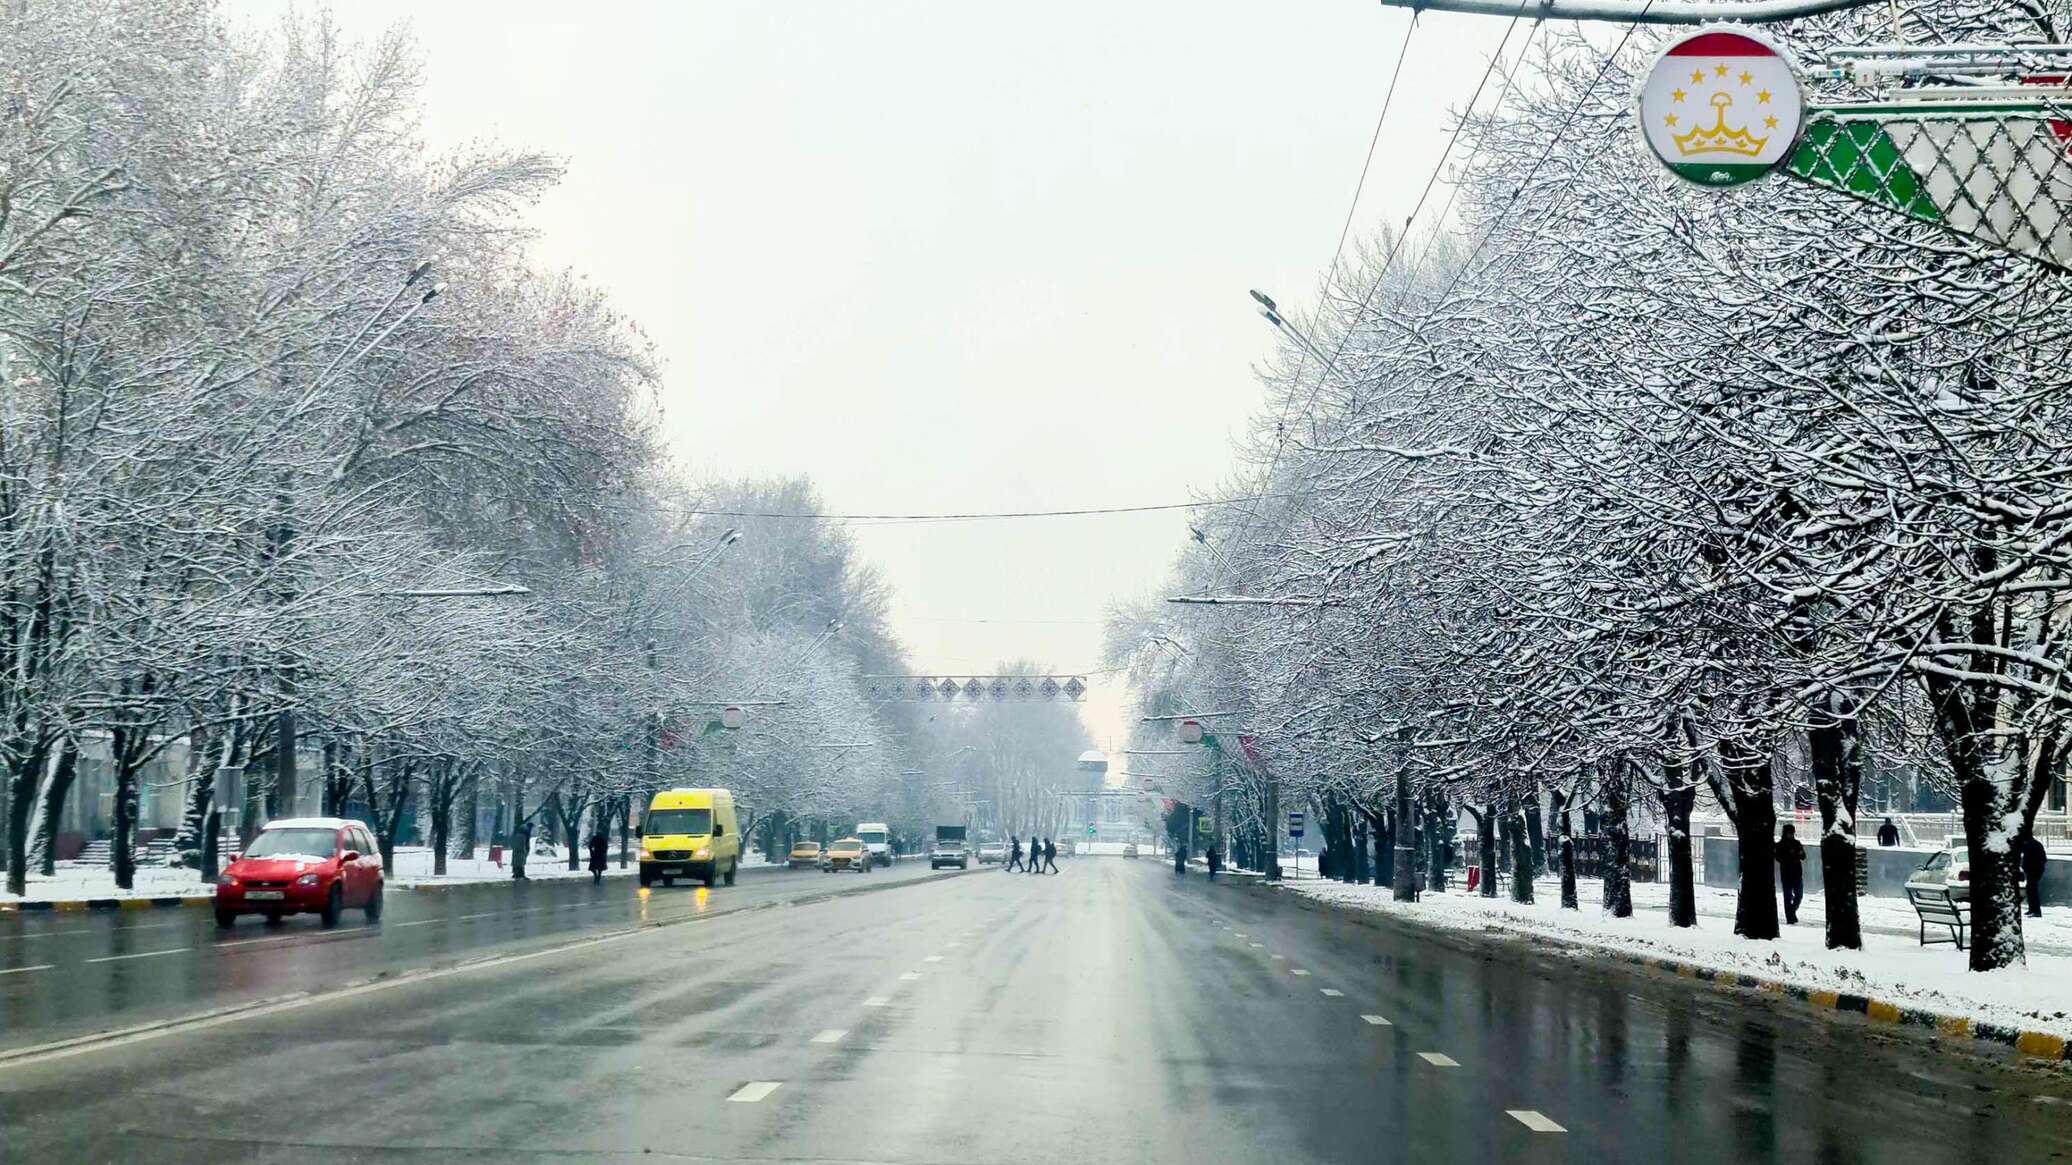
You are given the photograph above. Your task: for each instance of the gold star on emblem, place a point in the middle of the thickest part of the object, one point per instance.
(1721, 70)
(1762, 97)
(1697, 78)
(1769, 123)
(1676, 95)
(1746, 77)
(1669, 120)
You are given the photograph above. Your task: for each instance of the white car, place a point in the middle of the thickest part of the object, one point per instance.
(1948, 870)
(991, 853)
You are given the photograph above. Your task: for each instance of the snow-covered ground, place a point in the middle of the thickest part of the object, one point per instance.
(1892, 968)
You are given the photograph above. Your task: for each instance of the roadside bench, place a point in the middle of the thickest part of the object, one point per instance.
(1937, 908)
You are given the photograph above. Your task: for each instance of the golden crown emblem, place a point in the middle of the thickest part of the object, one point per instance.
(1719, 139)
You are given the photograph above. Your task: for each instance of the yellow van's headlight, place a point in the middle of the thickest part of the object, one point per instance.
(646, 854)
(704, 851)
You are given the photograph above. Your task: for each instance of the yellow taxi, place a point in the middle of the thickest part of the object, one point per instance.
(846, 854)
(803, 855)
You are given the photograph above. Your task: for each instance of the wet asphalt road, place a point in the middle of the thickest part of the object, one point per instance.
(1111, 1013)
(65, 974)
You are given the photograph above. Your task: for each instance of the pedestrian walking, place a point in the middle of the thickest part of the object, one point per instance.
(521, 848)
(1215, 860)
(1180, 860)
(1888, 833)
(1050, 856)
(2032, 872)
(598, 846)
(1035, 854)
(1791, 870)
(1014, 853)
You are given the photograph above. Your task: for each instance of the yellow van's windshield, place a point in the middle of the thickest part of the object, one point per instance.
(671, 822)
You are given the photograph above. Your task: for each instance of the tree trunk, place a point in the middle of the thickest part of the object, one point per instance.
(1755, 822)
(472, 811)
(1836, 781)
(1679, 795)
(1403, 865)
(1564, 825)
(23, 784)
(1521, 856)
(56, 790)
(1618, 880)
(1435, 837)
(1485, 846)
(122, 846)
(1536, 835)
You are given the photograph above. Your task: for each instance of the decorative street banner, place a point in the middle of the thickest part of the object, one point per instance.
(975, 689)
(1721, 108)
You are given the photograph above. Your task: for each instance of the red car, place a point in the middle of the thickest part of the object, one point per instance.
(303, 865)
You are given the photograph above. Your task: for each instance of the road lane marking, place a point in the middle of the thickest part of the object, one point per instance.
(755, 1090)
(419, 922)
(1297, 971)
(139, 955)
(1261, 946)
(1535, 1121)
(932, 959)
(1235, 934)
(26, 970)
(1283, 958)
(1377, 1020)
(947, 946)
(909, 976)
(1438, 1059)
(831, 1035)
(1333, 992)
(877, 1001)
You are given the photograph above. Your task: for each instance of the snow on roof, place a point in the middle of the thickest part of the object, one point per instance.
(309, 823)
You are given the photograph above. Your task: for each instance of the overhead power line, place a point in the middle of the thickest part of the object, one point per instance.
(696, 512)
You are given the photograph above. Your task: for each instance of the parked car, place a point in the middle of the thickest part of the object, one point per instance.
(1948, 870)
(846, 854)
(303, 865)
(804, 855)
(992, 853)
(1130, 850)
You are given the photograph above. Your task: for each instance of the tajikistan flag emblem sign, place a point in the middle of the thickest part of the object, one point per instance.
(1721, 107)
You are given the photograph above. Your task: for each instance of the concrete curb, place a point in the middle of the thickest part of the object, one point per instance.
(72, 905)
(2029, 1045)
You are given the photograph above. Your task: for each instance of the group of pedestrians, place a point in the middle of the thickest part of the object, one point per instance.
(1043, 855)
(1791, 868)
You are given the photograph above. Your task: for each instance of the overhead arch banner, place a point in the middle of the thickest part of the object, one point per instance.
(1721, 107)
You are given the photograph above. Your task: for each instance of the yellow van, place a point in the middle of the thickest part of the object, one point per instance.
(690, 833)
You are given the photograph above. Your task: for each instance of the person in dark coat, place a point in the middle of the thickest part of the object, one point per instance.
(1035, 854)
(521, 848)
(1180, 860)
(598, 846)
(1888, 833)
(1215, 860)
(2032, 872)
(1050, 856)
(1014, 853)
(1791, 870)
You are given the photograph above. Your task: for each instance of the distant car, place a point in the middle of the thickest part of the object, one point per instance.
(303, 865)
(1130, 850)
(846, 854)
(1065, 846)
(992, 853)
(803, 855)
(1948, 870)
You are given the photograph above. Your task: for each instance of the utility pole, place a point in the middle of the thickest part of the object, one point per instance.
(1406, 832)
(1273, 827)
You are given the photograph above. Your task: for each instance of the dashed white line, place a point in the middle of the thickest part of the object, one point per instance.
(1236, 934)
(877, 1001)
(1377, 1020)
(26, 970)
(1438, 1059)
(139, 955)
(755, 1090)
(932, 959)
(419, 922)
(947, 946)
(832, 1035)
(1283, 958)
(1333, 992)
(1297, 971)
(1536, 1121)
(1261, 946)
(909, 976)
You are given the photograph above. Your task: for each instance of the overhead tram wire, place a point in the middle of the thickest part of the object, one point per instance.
(1388, 102)
(1396, 246)
(980, 516)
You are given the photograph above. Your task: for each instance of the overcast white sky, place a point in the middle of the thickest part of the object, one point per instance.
(956, 256)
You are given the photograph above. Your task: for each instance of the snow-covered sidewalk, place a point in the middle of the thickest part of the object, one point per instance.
(1890, 968)
(413, 868)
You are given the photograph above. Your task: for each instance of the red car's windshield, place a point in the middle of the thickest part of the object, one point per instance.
(303, 843)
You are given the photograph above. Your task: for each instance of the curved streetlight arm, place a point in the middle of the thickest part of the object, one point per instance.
(1639, 11)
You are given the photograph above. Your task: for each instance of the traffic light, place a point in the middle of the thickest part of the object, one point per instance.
(1089, 829)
